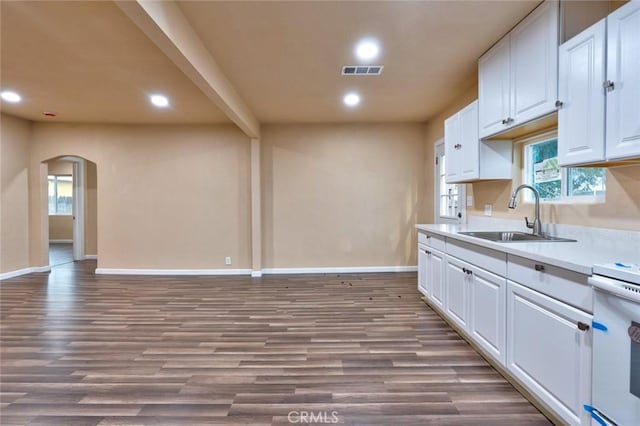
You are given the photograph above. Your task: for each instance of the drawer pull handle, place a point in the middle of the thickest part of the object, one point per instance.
(582, 326)
(539, 267)
(467, 271)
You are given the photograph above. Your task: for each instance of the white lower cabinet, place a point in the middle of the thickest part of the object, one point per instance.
(435, 276)
(423, 259)
(530, 317)
(487, 317)
(457, 290)
(549, 350)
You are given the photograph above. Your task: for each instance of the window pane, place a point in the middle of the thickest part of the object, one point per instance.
(544, 171)
(585, 182)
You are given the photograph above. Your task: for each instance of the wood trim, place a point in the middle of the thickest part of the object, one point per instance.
(60, 241)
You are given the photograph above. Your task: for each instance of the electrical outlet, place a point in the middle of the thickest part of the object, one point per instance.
(227, 260)
(488, 209)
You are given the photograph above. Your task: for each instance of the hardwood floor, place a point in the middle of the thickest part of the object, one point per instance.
(359, 349)
(60, 253)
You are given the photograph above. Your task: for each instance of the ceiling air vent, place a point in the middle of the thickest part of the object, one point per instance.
(362, 70)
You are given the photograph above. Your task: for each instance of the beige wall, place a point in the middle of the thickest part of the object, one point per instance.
(14, 202)
(340, 195)
(91, 209)
(60, 167)
(61, 227)
(169, 196)
(620, 210)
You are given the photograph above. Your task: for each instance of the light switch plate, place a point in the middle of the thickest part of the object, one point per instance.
(469, 200)
(488, 209)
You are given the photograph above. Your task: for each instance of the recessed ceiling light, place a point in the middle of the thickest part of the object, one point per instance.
(351, 99)
(367, 49)
(160, 101)
(10, 96)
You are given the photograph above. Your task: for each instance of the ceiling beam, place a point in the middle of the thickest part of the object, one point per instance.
(165, 24)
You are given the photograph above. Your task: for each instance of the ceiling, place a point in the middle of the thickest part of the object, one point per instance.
(89, 62)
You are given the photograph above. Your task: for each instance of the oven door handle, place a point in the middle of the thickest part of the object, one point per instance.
(613, 286)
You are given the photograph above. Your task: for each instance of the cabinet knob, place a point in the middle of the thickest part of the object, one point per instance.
(559, 104)
(509, 120)
(464, 270)
(504, 121)
(582, 326)
(539, 267)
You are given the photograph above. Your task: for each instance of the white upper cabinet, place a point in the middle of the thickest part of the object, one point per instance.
(623, 74)
(518, 77)
(467, 157)
(534, 64)
(494, 89)
(599, 87)
(581, 116)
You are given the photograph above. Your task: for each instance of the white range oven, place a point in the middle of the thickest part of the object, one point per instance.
(616, 345)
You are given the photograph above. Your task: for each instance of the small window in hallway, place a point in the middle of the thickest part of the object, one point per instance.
(60, 195)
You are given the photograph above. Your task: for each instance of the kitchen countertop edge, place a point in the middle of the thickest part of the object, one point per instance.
(525, 250)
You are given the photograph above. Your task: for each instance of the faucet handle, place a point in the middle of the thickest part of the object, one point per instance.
(529, 224)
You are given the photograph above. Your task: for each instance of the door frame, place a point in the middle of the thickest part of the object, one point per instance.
(79, 178)
(462, 191)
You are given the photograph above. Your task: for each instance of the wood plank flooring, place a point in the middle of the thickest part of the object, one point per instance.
(358, 349)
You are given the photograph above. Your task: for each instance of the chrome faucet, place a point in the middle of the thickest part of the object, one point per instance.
(536, 225)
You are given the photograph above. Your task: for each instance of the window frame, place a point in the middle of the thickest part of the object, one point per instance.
(565, 198)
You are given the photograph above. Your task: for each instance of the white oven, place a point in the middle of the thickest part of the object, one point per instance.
(616, 345)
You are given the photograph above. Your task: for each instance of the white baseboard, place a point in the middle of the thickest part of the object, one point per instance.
(112, 271)
(91, 257)
(340, 270)
(256, 274)
(60, 241)
(24, 271)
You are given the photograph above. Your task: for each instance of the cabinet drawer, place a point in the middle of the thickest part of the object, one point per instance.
(567, 286)
(490, 260)
(431, 240)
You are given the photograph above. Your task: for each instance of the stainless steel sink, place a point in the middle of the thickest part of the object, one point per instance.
(514, 237)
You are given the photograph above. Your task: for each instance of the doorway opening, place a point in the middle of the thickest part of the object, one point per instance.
(71, 209)
(450, 199)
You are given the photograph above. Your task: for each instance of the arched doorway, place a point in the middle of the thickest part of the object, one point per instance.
(71, 209)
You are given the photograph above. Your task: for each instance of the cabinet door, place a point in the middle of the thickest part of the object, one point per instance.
(423, 259)
(456, 306)
(469, 152)
(548, 352)
(534, 64)
(451, 148)
(494, 88)
(623, 70)
(488, 312)
(581, 117)
(436, 278)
